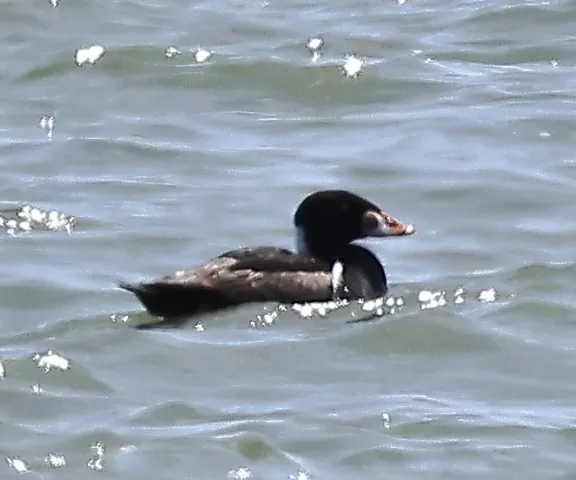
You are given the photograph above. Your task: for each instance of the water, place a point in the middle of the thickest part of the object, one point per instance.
(461, 121)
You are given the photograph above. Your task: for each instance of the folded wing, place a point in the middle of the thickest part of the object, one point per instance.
(263, 274)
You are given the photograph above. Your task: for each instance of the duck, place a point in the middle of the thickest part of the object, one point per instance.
(325, 266)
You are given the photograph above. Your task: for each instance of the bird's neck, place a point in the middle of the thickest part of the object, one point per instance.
(323, 247)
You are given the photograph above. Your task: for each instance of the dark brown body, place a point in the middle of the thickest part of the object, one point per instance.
(262, 274)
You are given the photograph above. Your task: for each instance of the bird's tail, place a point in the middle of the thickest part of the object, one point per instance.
(175, 303)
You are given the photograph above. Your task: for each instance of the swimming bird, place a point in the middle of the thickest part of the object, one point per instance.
(325, 266)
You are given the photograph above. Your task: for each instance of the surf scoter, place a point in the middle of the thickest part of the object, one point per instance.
(326, 265)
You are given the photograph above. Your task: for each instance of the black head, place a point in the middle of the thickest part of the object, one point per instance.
(329, 220)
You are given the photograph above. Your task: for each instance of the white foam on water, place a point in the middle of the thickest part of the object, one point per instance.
(47, 123)
(18, 464)
(172, 51)
(240, 473)
(352, 66)
(89, 55)
(55, 461)
(314, 43)
(386, 420)
(51, 360)
(30, 218)
(300, 475)
(201, 55)
(97, 461)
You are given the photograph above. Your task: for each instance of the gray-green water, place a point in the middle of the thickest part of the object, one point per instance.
(461, 122)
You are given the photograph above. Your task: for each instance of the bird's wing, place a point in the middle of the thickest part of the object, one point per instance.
(255, 275)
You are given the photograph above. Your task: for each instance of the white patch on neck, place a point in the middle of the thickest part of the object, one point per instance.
(301, 244)
(337, 278)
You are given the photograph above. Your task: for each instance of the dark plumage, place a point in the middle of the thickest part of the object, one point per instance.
(326, 267)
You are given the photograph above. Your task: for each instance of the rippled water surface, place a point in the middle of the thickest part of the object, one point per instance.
(461, 121)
